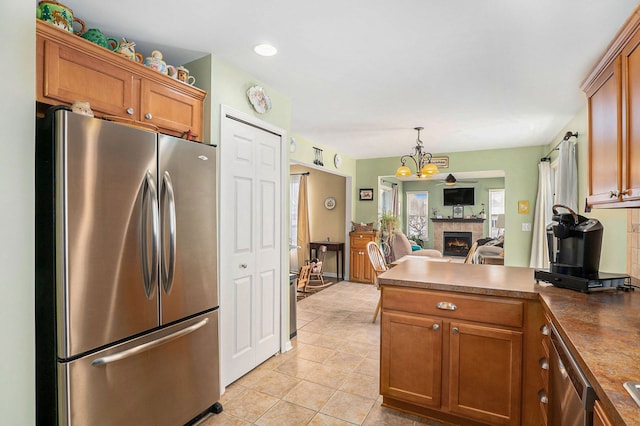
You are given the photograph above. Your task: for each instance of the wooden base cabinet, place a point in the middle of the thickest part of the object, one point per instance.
(70, 68)
(452, 357)
(360, 269)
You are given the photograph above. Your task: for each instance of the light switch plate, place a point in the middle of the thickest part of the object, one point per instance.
(526, 227)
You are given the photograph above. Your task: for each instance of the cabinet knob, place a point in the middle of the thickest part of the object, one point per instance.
(625, 192)
(544, 364)
(613, 194)
(130, 111)
(542, 396)
(455, 330)
(148, 116)
(544, 330)
(243, 265)
(436, 327)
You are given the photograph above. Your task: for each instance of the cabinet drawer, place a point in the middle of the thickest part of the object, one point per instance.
(472, 308)
(359, 241)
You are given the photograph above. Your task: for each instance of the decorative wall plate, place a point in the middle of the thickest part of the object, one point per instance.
(260, 101)
(330, 203)
(337, 161)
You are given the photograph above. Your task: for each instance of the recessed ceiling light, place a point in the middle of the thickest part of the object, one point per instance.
(265, 50)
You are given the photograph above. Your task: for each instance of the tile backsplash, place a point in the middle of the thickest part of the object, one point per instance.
(633, 242)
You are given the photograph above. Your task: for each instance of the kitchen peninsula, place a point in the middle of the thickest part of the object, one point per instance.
(463, 343)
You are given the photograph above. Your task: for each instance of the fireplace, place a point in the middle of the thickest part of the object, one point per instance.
(456, 243)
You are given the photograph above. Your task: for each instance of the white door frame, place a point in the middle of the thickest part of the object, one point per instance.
(348, 190)
(226, 111)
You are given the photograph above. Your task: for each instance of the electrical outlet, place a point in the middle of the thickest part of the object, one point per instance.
(526, 227)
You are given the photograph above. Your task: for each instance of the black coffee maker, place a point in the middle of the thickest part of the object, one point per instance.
(574, 253)
(574, 243)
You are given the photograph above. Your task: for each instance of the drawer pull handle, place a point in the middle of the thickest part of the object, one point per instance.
(447, 306)
(544, 330)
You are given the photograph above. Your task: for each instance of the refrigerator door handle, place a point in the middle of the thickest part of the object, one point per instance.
(149, 201)
(149, 345)
(168, 268)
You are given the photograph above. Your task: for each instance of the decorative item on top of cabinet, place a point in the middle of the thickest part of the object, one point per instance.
(361, 270)
(613, 100)
(69, 68)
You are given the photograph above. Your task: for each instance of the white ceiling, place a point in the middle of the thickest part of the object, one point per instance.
(361, 74)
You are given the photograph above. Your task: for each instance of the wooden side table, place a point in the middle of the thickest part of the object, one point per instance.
(331, 246)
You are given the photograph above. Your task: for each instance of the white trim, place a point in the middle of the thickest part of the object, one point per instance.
(348, 201)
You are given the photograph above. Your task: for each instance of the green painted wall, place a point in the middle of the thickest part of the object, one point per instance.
(614, 221)
(227, 85)
(435, 188)
(520, 183)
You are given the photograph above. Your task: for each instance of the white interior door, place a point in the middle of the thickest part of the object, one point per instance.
(250, 251)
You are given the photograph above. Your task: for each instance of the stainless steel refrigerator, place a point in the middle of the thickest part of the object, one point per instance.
(126, 287)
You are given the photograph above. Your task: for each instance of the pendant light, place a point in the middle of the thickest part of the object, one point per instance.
(424, 167)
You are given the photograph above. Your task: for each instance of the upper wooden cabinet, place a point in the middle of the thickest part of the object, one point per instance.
(70, 68)
(613, 92)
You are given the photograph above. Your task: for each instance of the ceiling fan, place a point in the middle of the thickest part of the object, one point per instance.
(451, 180)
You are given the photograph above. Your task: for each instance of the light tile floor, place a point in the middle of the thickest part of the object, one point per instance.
(329, 378)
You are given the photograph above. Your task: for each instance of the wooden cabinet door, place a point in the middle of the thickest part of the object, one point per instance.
(605, 136)
(356, 260)
(69, 75)
(600, 418)
(170, 109)
(485, 373)
(411, 358)
(631, 120)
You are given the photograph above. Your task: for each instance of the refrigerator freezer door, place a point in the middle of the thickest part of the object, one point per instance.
(165, 378)
(187, 182)
(103, 173)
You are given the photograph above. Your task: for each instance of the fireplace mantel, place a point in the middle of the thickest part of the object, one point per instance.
(475, 220)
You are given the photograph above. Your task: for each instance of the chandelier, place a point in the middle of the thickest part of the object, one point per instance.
(424, 167)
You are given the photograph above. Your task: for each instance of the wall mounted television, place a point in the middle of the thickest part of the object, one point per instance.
(458, 196)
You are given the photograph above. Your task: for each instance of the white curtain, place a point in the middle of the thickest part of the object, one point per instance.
(567, 176)
(304, 236)
(396, 202)
(542, 217)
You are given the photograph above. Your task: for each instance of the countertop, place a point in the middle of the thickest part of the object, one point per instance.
(602, 329)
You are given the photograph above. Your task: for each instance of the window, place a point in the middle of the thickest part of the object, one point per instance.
(496, 212)
(417, 215)
(386, 200)
(294, 188)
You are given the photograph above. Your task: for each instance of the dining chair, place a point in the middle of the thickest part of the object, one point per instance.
(379, 266)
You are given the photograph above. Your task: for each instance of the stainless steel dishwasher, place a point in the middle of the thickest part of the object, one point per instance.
(572, 396)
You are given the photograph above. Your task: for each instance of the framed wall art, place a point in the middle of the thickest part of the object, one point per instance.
(458, 212)
(523, 207)
(366, 194)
